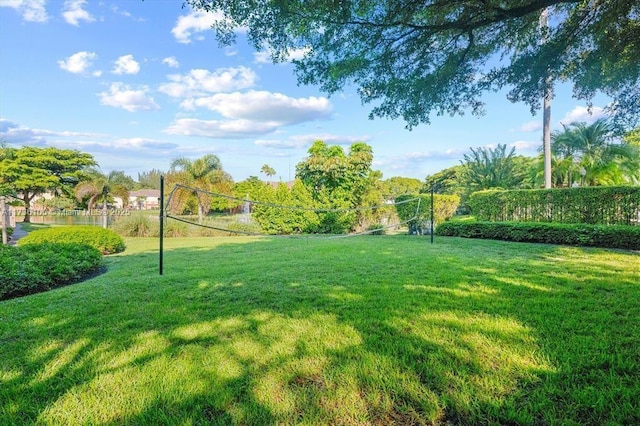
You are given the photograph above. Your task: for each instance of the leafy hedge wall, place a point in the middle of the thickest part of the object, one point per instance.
(105, 240)
(40, 267)
(611, 236)
(444, 207)
(608, 205)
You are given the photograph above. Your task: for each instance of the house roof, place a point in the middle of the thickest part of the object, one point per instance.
(149, 193)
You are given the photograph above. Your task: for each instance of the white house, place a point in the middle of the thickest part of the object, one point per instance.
(144, 199)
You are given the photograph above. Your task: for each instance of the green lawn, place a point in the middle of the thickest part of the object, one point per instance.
(365, 330)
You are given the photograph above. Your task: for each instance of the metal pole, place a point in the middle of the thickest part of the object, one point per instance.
(432, 215)
(161, 219)
(5, 218)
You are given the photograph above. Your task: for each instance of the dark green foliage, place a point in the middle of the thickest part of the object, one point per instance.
(612, 205)
(416, 58)
(610, 236)
(105, 240)
(34, 268)
(444, 206)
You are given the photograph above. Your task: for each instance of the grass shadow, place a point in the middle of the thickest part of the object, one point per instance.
(359, 331)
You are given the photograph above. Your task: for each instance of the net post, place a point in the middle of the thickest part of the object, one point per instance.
(161, 222)
(5, 218)
(432, 214)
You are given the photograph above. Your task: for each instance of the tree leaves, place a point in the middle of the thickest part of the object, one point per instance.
(414, 58)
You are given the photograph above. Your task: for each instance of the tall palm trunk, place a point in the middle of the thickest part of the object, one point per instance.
(546, 113)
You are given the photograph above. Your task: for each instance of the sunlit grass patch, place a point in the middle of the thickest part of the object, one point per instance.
(369, 330)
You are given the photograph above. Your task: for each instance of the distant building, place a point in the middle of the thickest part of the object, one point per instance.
(144, 199)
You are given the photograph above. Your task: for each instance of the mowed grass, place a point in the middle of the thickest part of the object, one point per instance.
(365, 330)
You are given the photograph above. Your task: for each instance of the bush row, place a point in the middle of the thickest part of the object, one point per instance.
(610, 205)
(34, 268)
(611, 236)
(105, 240)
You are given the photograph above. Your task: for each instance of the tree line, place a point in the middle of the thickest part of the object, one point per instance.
(328, 178)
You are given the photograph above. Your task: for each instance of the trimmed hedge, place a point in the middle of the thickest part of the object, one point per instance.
(602, 205)
(105, 240)
(444, 207)
(35, 268)
(611, 236)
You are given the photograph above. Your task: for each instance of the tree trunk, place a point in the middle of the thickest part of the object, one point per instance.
(26, 199)
(546, 115)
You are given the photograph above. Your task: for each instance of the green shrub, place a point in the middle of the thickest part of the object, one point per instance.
(173, 228)
(611, 236)
(105, 240)
(34, 268)
(600, 205)
(136, 225)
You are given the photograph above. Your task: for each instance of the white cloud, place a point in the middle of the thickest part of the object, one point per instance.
(264, 106)
(194, 22)
(31, 10)
(531, 126)
(126, 65)
(201, 82)
(74, 13)
(250, 114)
(115, 9)
(526, 145)
(280, 144)
(265, 56)
(230, 51)
(171, 61)
(13, 132)
(143, 144)
(231, 129)
(78, 63)
(583, 114)
(330, 139)
(262, 57)
(123, 96)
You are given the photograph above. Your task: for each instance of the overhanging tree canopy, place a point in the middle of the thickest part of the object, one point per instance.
(413, 58)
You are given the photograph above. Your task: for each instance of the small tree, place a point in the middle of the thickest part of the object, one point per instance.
(202, 173)
(29, 171)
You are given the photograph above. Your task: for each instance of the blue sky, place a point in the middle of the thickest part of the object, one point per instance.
(137, 84)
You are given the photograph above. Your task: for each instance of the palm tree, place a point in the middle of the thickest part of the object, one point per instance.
(201, 173)
(590, 151)
(488, 168)
(99, 187)
(268, 170)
